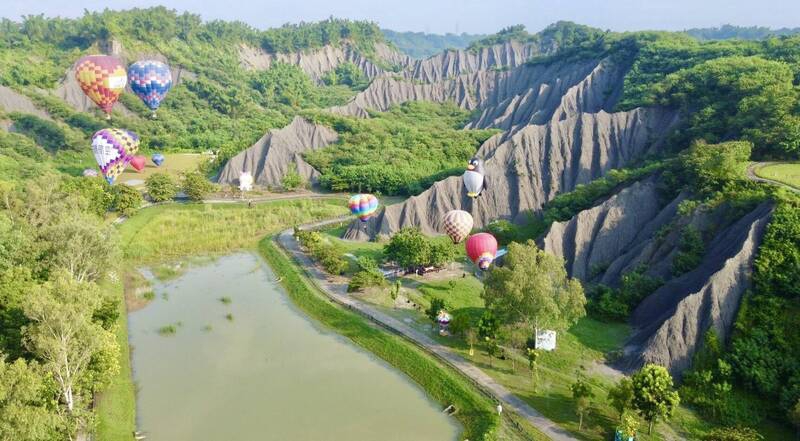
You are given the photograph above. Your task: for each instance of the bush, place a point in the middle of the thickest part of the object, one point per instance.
(691, 250)
(95, 190)
(292, 179)
(437, 304)
(127, 200)
(369, 274)
(161, 187)
(196, 186)
(461, 323)
(733, 434)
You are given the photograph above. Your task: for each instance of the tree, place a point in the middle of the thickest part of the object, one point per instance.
(514, 338)
(488, 325)
(710, 166)
(532, 288)
(653, 395)
(292, 179)
(437, 304)
(161, 187)
(461, 323)
(621, 396)
(533, 366)
(127, 200)
(82, 245)
(407, 247)
(493, 349)
(64, 336)
(196, 186)
(581, 394)
(26, 403)
(794, 416)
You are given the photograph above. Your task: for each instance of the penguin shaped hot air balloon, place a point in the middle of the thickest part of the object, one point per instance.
(457, 224)
(475, 177)
(482, 249)
(157, 159)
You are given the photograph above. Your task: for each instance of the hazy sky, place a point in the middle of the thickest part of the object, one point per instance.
(474, 16)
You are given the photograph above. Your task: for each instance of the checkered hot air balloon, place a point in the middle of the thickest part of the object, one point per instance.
(113, 149)
(457, 224)
(102, 78)
(150, 81)
(363, 206)
(482, 249)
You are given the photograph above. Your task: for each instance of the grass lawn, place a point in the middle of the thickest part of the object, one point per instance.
(174, 164)
(788, 174)
(580, 350)
(168, 232)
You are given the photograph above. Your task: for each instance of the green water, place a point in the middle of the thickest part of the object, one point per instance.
(270, 373)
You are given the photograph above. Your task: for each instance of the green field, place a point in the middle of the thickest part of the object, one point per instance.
(788, 174)
(174, 164)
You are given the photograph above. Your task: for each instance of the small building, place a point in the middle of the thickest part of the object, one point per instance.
(545, 340)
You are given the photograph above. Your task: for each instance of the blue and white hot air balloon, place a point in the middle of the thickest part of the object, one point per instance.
(157, 159)
(150, 80)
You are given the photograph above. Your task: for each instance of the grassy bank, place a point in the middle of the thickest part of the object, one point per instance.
(476, 411)
(116, 406)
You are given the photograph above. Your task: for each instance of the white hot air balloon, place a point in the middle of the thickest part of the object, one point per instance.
(245, 181)
(475, 178)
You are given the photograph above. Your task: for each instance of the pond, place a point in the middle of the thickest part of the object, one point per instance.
(222, 354)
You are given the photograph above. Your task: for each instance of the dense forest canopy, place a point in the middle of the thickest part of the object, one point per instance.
(423, 45)
(728, 32)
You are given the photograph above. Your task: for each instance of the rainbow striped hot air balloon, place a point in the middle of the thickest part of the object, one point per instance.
(150, 81)
(102, 78)
(113, 149)
(363, 205)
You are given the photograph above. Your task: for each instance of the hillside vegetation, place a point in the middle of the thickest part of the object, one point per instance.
(423, 45)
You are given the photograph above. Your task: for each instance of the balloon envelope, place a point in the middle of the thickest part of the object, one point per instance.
(457, 224)
(150, 81)
(102, 78)
(138, 163)
(473, 181)
(481, 249)
(157, 159)
(113, 149)
(245, 181)
(363, 206)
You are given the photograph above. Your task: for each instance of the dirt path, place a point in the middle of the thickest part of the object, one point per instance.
(338, 293)
(751, 175)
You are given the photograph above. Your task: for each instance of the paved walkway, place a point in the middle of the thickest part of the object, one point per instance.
(751, 175)
(338, 293)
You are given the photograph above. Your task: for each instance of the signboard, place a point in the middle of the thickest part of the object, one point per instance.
(545, 339)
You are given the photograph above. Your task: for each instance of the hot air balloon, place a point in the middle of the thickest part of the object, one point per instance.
(157, 159)
(457, 224)
(245, 181)
(150, 81)
(482, 249)
(102, 78)
(475, 178)
(90, 173)
(138, 162)
(443, 318)
(113, 149)
(363, 206)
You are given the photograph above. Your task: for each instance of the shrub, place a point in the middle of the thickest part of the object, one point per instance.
(437, 304)
(369, 274)
(196, 186)
(126, 200)
(691, 250)
(733, 434)
(292, 179)
(161, 187)
(461, 323)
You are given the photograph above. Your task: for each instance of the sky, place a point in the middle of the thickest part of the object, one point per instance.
(441, 16)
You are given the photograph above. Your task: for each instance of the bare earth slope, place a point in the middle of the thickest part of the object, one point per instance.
(533, 166)
(671, 322)
(270, 157)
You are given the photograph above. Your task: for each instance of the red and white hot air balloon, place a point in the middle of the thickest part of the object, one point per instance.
(482, 249)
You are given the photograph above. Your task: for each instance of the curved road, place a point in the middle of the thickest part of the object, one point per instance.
(751, 175)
